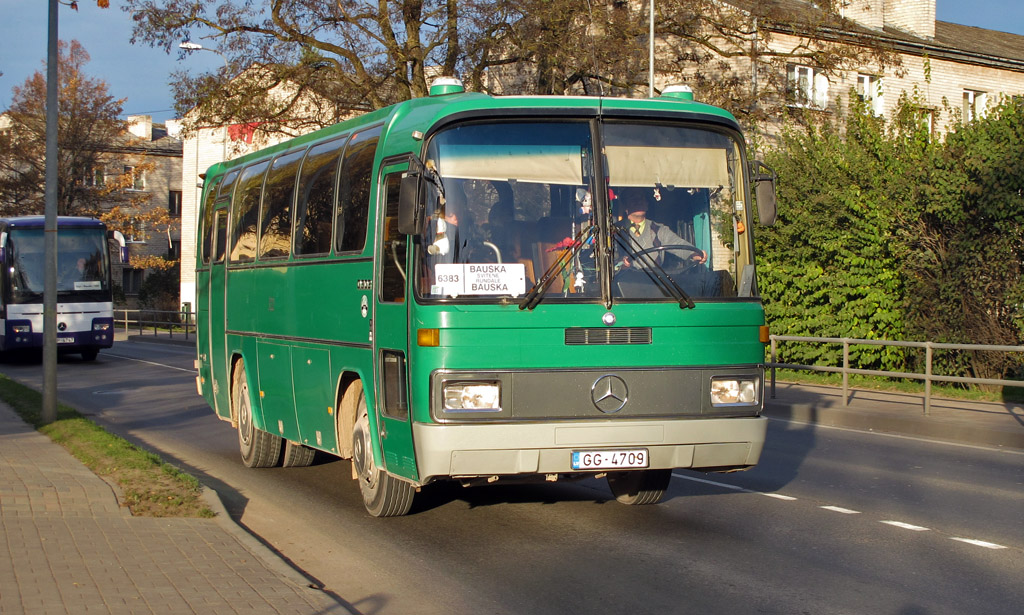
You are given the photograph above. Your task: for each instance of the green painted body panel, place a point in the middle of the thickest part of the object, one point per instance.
(505, 338)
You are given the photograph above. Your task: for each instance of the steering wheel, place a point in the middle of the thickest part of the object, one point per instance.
(687, 262)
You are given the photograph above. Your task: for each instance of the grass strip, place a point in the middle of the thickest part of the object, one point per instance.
(151, 487)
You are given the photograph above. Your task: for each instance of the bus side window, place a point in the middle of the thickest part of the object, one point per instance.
(393, 244)
(245, 213)
(221, 239)
(315, 206)
(354, 191)
(207, 228)
(276, 214)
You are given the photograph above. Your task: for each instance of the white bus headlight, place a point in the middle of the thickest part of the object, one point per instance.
(21, 329)
(472, 396)
(734, 391)
(101, 326)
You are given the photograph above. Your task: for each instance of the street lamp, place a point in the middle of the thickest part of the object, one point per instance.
(189, 46)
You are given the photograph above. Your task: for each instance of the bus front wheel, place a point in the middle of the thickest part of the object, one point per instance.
(259, 449)
(383, 494)
(639, 487)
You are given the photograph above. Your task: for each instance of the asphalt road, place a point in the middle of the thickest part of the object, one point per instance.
(831, 521)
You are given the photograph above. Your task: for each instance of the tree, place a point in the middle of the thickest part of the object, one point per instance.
(88, 124)
(889, 232)
(349, 56)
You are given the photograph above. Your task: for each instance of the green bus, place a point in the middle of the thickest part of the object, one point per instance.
(449, 289)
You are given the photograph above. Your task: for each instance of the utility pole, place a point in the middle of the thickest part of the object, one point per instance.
(49, 410)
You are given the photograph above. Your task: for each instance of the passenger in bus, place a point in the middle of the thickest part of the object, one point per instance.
(646, 234)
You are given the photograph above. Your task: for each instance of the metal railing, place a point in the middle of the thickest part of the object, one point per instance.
(928, 377)
(156, 322)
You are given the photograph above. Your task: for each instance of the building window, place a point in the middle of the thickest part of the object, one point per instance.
(137, 177)
(869, 89)
(94, 177)
(807, 87)
(174, 203)
(173, 250)
(131, 281)
(926, 117)
(974, 105)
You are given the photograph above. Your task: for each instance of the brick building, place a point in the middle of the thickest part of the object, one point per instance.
(152, 155)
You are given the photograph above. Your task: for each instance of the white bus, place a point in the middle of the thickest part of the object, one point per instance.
(85, 308)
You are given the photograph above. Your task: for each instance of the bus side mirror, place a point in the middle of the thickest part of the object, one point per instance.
(3, 246)
(410, 206)
(764, 180)
(118, 236)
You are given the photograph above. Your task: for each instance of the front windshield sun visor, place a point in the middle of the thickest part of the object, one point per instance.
(519, 212)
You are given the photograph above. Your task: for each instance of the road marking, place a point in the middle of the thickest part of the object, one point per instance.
(906, 526)
(840, 509)
(118, 356)
(1001, 449)
(711, 482)
(978, 543)
(779, 496)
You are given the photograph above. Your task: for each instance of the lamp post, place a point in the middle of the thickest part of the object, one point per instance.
(189, 46)
(650, 58)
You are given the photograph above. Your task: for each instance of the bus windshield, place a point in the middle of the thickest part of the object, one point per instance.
(514, 209)
(82, 265)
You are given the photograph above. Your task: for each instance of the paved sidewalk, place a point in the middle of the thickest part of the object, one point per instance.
(966, 422)
(67, 546)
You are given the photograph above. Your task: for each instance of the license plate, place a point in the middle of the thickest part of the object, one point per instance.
(610, 459)
(65, 340)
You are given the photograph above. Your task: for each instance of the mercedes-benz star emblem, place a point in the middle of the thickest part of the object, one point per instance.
(609, 393)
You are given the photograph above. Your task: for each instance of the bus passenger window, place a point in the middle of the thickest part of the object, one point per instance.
(245, 213)
(392, 284)
(276, 217)
(220, 241)
(207, 227)
(315, 205)
(354, 191)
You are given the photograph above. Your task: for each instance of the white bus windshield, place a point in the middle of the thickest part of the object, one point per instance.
(82, 264)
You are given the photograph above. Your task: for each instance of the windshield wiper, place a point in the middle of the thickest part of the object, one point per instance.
(651, 267)
(567, 256)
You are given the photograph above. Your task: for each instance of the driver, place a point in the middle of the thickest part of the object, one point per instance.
(649, 234)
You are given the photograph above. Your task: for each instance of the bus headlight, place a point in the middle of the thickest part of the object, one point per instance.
(734, 391)
(21, 329)
(472, 396)
(101, 326)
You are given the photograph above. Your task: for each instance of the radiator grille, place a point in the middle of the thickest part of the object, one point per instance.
(583, 336)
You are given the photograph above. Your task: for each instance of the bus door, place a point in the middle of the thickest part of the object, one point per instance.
(217, 334)
(390, 331)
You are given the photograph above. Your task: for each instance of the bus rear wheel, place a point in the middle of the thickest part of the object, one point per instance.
(297, 455)
(259, 449)
(383, 494)
(639, 487)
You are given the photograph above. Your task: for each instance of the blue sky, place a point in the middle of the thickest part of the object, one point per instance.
(141, 74)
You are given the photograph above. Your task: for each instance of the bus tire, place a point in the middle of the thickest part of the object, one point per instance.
(383, 495)
(259, 449)
(297, 455)
(639, 487)
(90, 354)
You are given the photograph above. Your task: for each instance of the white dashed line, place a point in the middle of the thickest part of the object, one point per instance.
(840, 509)
(906, 526)
(779, 496)
(978, 543)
